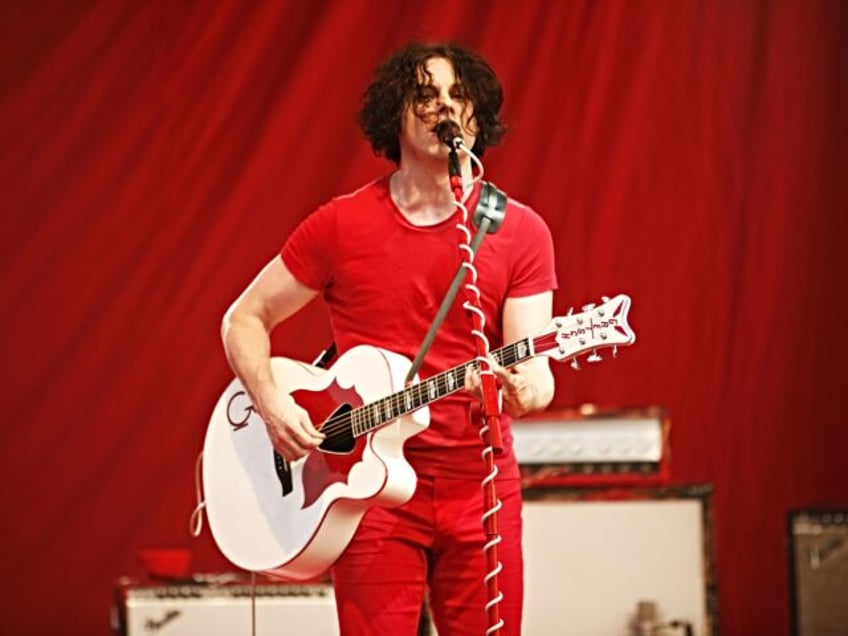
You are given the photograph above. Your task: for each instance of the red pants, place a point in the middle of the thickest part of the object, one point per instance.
(434, 541)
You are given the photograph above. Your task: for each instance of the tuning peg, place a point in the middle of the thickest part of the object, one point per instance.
(606, 299)
(615, 351)
(575, 364)
(594, 357)
(570, 311)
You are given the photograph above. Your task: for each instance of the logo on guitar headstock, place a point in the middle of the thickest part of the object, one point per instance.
(595, 328)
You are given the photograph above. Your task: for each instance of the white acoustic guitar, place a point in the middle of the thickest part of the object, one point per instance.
(293, 520)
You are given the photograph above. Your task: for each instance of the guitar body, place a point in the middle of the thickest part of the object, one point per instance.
(293, 520)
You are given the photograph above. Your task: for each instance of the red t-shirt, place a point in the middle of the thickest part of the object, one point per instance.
(384, 279)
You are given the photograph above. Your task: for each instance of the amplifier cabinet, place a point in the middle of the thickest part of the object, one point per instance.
(592, 556)
(818, 566)
(191, 609)
(592, 447)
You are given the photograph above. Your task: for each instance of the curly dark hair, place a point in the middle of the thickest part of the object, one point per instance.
(396, 84)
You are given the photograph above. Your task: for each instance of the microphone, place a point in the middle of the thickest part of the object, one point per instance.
(449, 133)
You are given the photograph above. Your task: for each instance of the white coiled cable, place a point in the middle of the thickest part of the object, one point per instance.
(472, 304)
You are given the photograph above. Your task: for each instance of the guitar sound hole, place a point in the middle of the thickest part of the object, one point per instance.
(339, 432)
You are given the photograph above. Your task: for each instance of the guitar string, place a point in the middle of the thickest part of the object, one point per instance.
(340, 424)
(397, 403)
(507, 356)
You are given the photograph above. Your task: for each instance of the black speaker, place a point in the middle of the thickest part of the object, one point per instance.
(818, 567)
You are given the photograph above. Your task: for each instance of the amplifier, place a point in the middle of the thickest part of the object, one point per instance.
(588, 446)
(204, 606)
(596, 558)
(818, 566)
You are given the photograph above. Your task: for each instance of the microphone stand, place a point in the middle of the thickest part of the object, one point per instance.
(494, 202)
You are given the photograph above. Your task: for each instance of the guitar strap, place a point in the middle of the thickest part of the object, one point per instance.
(324, 358)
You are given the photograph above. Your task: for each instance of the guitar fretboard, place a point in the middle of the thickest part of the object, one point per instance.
(366, 418)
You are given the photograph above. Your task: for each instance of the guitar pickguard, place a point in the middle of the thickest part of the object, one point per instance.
(321, 470)
(328, 408)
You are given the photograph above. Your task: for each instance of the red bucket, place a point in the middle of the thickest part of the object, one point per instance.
(166, 563)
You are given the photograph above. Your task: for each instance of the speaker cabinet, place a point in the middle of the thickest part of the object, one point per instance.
(190, 609)
(818, 566)
(592, 557)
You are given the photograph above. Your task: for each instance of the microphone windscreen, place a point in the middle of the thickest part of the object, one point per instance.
(448, 130)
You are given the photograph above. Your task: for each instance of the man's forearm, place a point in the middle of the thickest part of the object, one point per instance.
(247, 345)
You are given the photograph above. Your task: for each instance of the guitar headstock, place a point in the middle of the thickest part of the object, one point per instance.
(596, 327)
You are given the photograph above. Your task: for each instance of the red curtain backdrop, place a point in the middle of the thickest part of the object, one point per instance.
(155, 155)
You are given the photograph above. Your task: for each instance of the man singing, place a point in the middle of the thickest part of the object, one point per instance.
(382, 259)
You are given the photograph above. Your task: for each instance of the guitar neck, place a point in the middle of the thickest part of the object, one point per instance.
(370, 416)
